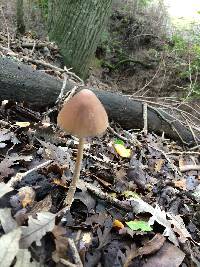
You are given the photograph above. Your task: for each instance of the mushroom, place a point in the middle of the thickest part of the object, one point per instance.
(83, 116)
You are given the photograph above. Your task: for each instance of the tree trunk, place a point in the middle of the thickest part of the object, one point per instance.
(20, 17)
(76, 26)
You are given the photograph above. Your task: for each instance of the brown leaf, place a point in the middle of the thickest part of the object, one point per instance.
(61, 242)
(9, 161)
(158, 165)
(153, 245)
(43, 205)
(168, 255)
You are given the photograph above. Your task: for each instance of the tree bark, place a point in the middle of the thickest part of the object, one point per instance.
(76, 27)
(20, 17)
(20, 82)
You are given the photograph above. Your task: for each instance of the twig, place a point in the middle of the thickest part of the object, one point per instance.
(183, 153)
(118, 135)
(145, 112)
(75, 254)
(104, 196)
(34, 44)
(189, 168)
(71, 93)
(195, 147)
(134, 141)
(62, 89)
(18, 177)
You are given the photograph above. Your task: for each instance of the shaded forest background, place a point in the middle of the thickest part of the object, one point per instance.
(140, 53)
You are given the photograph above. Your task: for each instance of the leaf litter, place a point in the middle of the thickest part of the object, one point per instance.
(147, 180)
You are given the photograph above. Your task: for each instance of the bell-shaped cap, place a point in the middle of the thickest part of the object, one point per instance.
(83, 115)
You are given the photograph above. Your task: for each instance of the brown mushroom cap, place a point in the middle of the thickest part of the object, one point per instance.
(83, 115)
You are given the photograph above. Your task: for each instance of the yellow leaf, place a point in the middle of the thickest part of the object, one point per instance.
(118, 224)
(122, 151)
(22, 124)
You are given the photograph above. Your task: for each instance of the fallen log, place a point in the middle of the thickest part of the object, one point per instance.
(21, 82)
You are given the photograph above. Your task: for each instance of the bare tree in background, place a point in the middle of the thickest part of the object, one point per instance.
(76, 27)
(20, 17)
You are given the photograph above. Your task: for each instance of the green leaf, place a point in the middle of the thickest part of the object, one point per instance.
(139, 225)
(119, 142)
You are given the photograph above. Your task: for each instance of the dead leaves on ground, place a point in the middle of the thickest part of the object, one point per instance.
(130, 175)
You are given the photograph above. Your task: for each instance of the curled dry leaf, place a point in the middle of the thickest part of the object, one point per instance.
(36, 228)
(9, 246)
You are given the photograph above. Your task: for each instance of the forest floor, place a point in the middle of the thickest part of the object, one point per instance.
(137, 202)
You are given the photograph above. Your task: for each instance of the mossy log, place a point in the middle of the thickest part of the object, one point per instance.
(20, 82)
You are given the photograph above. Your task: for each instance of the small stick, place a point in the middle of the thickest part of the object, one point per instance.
(190, 168)
(104, 196)
(75, 254)
(62, 89)
(33, 49)
(20, 176)
(145, 112)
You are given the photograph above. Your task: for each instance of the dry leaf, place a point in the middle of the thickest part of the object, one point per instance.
(4, 189)
(6, 135)
(61, 242)
(59, 154)
(179, 227)
(157, 215)
(168, 255)
(43, 205)
(5, 217)
(9, 161)
(26, 196)
(37, 228)
(24, 259)
(9, 246)
(158, 165)
(122, 151)
(117, 224)
(181, 184)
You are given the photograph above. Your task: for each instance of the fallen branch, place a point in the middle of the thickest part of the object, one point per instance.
(20, 82)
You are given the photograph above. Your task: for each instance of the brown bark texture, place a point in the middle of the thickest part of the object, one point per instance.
(76, 27)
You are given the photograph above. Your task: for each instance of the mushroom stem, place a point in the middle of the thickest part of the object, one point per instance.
(72, 189)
